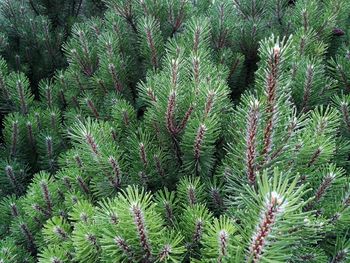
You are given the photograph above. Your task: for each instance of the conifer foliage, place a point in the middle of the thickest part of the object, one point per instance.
(183, 131)
(32, 32)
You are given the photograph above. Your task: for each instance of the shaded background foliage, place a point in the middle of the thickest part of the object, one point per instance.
(32, 34)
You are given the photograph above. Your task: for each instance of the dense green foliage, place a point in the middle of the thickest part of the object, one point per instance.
(33, 31)
(183, 131)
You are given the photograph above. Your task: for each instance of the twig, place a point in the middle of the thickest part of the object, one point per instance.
(33, 7)
(79, 7)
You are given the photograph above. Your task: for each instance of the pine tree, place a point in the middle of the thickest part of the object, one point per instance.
(183, 131)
